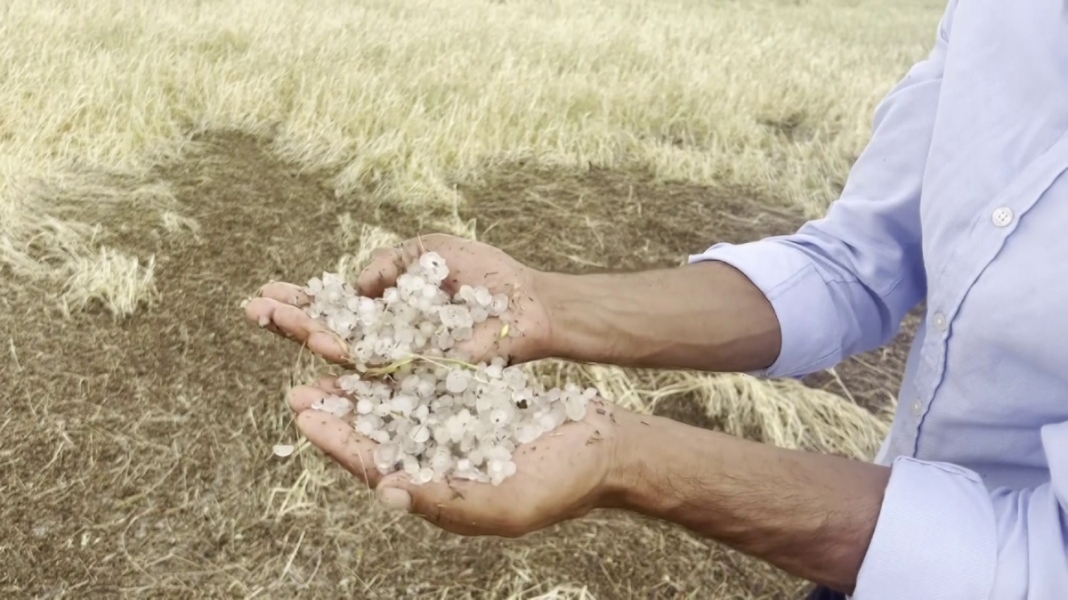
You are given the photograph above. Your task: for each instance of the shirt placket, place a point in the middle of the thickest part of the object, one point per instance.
(988, 232)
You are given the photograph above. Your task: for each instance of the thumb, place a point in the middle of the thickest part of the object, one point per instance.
(394, 498)
(393, 492)
(385, 266)
(442, 504)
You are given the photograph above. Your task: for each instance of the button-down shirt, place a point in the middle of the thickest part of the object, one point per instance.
(961, 199)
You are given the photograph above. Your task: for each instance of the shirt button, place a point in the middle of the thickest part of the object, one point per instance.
(940, 321)
(917, 408)
(1002, 216)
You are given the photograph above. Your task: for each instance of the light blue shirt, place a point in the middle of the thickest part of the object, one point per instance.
(959, 198)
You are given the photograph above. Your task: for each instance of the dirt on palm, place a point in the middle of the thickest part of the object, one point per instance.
(135, 454)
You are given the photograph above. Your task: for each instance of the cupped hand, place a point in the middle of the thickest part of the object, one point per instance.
(561, 475)
(279, 306)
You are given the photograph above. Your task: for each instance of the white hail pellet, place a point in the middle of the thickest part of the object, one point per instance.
(432, 415)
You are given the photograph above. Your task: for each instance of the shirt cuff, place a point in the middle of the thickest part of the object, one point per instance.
(935, 539)
(808, 318)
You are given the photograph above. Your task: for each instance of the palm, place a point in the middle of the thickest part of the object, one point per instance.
(280, 305)
(558, 476)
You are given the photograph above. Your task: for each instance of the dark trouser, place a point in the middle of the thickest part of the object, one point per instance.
(822, 593)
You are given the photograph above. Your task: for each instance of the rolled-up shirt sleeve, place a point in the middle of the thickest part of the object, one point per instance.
(941, 535)
(842, 284)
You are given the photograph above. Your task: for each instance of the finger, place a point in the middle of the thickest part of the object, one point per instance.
(458, 506)
(286, 293)
(294, 321)
(385, 266)
(295, 324)
(302, 397)
(434, 502)
(260, 310)
(394, 498)
(284, 318)
(337, 440)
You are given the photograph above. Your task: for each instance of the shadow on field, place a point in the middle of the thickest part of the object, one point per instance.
(135, 454)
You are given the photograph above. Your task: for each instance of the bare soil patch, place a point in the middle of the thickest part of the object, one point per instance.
(598, 220)
(135, 455)
(131, 448)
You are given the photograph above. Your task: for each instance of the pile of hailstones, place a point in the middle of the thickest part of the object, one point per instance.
(432, 414)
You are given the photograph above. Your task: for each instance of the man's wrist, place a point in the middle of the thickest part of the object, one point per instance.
(634, 481)
(557, 293)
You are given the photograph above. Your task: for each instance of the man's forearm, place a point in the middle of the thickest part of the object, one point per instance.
(706, 316)
(809, 514)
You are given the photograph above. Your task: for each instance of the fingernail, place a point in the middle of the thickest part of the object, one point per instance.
(264, 320)
(395, 499)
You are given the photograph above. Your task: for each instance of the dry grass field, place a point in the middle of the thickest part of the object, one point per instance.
(161, 160)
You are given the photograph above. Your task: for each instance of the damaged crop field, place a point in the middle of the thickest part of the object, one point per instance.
(159, 162)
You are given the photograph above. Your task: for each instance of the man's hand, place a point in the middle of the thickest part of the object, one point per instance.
(705, 317)
(279, 306)
(559, 476)
(812, 515)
